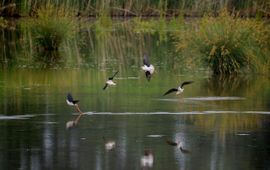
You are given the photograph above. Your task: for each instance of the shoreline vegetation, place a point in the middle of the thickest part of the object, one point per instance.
(227, 37)
(134, 8)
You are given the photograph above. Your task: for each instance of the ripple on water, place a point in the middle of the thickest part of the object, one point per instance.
(216, 98)
(47, 123)
(155, 136)
(178, 113)
(15, 117)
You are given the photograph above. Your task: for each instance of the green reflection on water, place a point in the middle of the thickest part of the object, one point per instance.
(86, 63)
(40, 88)
(96, 45)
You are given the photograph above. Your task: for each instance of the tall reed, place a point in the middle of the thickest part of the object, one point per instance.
(144, 8)
(227, 44)
(52, 26)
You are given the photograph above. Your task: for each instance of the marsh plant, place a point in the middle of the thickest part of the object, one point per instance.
(227, 44)
(145, 7)
(52, 26)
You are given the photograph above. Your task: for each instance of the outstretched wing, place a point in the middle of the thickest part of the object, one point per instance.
(106, 85)
(185, 83)
(111, 78)
(170, 91)
(69, 98)
(145, 60)
(172, 143)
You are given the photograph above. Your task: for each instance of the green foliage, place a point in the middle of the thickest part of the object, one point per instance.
(227, 44)
(149, 7)
(103, 23)
(52, 26)
(157, 25)
(3, 22)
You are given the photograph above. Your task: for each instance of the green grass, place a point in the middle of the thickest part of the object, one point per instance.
(52, 26)
(227, 44)
(145, 7)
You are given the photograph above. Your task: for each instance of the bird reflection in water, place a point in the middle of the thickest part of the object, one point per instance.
(179, 145)
(73, 123)
(109, 144)
(147, 160)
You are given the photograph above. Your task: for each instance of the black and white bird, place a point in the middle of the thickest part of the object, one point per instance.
(147, 159)
(179, 89)
(147, 67)
(70, 101)
(179, 145)
(110, 82)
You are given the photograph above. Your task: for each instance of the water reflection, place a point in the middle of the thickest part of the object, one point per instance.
(119, 47)
(224, 85)
(48, 59)
(210, 118)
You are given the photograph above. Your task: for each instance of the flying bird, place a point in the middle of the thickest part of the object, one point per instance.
(178, 145)
(110, 82)
(147, 67)
(179, 89)
(147, 159)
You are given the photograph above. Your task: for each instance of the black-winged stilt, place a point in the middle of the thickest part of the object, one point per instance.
(71, 102)
(147, 67)
(179, 89)
(110, 82)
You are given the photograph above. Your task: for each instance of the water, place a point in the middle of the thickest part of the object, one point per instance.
(223, 121)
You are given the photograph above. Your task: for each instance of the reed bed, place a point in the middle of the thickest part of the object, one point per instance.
(139, 8)
(227, 44)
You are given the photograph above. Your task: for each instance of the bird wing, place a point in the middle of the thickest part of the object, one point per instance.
(69, 97)
(111, 78)
(185, 83)
(148, 75)
(75, 101)
(106, 85)
(170, 91)
(172, 143)
(145, 60)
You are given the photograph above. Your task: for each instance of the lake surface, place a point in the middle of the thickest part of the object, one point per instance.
(223, 121)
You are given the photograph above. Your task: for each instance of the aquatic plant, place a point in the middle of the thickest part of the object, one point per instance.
(227, 44)
(52, 26)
